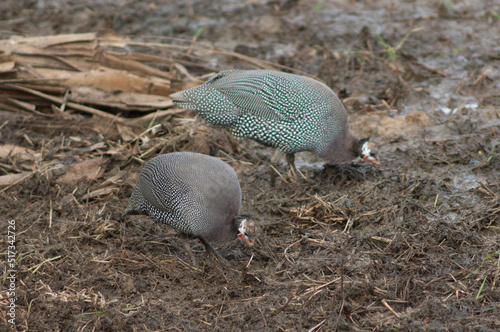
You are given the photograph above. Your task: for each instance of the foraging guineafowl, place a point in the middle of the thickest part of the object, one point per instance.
(290, 112)
(196, 194)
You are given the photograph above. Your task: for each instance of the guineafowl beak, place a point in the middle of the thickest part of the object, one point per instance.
(249, 241)
(375, 161)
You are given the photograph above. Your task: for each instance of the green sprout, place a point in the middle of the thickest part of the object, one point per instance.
(391, 51)
(479, 295)
(492, 152)
(319, 5)
(199, 31)
(449, 5)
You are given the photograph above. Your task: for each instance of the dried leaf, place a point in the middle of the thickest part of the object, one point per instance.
(46, 41)
(15, 152)
(7, 66)
(129, 101)
(116, 80)
(126, 133)
(100, 192)
(10, 179)
(91, 169)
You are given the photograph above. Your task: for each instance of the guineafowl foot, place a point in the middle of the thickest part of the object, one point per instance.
(129, 212)
(185, 242)
(124, 215)
(211, 250)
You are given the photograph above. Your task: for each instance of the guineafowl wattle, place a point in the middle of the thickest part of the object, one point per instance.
(290, 112)
(196, 194)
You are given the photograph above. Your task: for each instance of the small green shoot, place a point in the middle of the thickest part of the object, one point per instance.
(482, 263)
(19, 258)
(16, 263)
(492, 152)
(129, 309)
(449, 5)
(199, 31)
(391, 51)
(479, 295)
(492, 16)
(319, 5)
(29, 306)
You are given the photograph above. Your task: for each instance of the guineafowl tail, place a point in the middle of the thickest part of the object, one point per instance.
(209, 103)
(135, 204)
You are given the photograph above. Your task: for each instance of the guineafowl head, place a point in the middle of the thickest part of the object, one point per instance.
(367, 151)
(246, 228)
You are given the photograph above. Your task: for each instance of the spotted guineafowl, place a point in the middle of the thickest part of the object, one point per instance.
(290, 112)
(196, 194)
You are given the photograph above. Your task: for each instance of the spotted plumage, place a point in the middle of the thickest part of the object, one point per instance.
(195, 194)
(290, 112)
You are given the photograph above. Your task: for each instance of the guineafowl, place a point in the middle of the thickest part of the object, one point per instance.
(196, 194)
(290, 112)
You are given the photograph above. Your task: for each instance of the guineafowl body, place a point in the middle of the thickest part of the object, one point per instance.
(196, 194)
(290, 112)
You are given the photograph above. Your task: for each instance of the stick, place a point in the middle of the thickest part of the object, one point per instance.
(384, 302)
(76, 106)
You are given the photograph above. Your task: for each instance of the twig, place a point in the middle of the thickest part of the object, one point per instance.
(37, 266)
(50, 214)
(76, 106)
(485, 187)
(481, 77)
(342, 271)
(249, 261)
(317, 326)
(384, 302)
(348, 225)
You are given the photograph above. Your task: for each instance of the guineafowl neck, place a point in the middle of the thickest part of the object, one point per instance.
(223, 231)
(342, 148)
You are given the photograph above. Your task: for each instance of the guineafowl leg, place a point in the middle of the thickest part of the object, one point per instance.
(275, 159)
(272, 175)
(290, 158)
(211, 250)
(185, 242)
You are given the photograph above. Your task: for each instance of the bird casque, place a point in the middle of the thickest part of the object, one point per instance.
(289, 112)
(196, 194)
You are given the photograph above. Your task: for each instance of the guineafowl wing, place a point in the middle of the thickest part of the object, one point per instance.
(265, 94)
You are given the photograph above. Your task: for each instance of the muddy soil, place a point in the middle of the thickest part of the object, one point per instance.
(413, 245)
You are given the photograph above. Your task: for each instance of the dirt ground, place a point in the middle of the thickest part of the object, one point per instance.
(413, 245)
